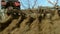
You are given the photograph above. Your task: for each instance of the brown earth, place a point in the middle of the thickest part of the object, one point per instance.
(33, 26)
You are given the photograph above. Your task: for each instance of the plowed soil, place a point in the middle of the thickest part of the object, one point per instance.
(31, 25)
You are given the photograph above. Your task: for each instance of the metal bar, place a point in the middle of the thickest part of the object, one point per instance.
(0, 4)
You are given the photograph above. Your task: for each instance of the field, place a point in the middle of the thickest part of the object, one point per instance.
(31, 25)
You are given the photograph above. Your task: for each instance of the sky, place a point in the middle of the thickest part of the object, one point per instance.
(39, 3)
(24, 4)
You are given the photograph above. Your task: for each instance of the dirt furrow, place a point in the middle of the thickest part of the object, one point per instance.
(23, 26)
(10, 27)
(34, 27)
(5, 23)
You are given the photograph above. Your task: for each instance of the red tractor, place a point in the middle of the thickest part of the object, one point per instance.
(11, 5)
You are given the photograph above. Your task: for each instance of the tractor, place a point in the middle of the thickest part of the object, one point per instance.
(11, 6)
